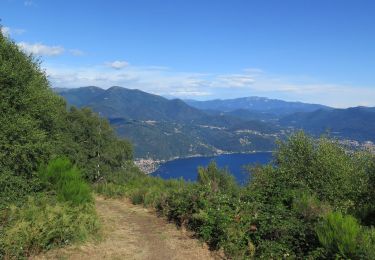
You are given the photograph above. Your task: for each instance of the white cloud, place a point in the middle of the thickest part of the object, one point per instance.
(117, 64)
(190, 93)
(164, 81)
(11, 31)
(235, 80)
(41, 49)
(76, 52)
(5, 30)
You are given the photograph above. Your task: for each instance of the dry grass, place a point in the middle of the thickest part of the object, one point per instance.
(133, 232)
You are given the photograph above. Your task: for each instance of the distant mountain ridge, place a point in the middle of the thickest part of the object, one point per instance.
(356, 123)
(256, 104)
(164, 128)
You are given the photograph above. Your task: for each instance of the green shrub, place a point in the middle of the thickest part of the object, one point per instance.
(339, 234)
(216, 179)
(308, 206)
(43, 224)
(367, 244)
(283, 212)
(324, 168)
(15, 189)
(64, 178)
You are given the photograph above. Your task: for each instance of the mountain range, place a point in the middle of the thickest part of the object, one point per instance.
(163, 128)
(256, 104)
(355, 123)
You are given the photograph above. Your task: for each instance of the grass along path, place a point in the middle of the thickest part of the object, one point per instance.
(133, 232)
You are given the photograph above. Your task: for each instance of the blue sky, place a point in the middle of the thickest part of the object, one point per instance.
(320, 51)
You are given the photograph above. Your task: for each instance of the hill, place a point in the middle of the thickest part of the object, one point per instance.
(118, 102)
(357, 123)
(162, 128)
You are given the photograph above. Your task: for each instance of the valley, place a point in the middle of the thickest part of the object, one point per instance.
(163, 129)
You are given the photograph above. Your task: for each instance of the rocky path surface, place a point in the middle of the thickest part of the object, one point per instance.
(133, 232)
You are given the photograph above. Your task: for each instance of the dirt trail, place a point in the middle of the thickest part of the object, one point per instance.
(132, 232)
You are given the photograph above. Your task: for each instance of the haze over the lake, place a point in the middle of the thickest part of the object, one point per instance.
(311, 51)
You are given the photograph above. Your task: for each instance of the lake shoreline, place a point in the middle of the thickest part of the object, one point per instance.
(149, 165)
(186, 168)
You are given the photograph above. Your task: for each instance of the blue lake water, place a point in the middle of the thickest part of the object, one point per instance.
(187, 168)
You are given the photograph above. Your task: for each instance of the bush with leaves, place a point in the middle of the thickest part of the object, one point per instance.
(216, 179)
(339, 234)
(31, 114)
(93, 145)
(65, 179)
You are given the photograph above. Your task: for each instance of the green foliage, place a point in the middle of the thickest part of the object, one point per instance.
(36, 127)
(42, 224)
(93, 146)
(30, 116)
(216, 179)
(322, 167)
(277, 214)
(309, 207)
(367, 243)
(339, 234)
(64, 178)
(15, 189)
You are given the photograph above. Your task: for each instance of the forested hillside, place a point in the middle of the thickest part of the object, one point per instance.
(48, 155)
(162, 129)
(356, 123)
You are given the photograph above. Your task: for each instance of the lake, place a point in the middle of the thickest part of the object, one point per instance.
(187, 167)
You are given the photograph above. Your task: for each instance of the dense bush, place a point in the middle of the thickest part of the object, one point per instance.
(16, 189)
(343, 237)
(66, 180)
(30, 117)
(339, 234)
(216, 179)
(35, 127)
(92, 145)
(61, 214)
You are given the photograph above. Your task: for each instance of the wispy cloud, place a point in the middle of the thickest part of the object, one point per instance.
(40, 49)
(76, 52)
(118, 64)
(249, 82)
(29, 3)
(235, 80)
(7, 31)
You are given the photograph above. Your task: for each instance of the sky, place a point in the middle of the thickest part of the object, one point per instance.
(317, 51)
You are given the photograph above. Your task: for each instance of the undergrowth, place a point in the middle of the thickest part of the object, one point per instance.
(307, 204)
(60, 212)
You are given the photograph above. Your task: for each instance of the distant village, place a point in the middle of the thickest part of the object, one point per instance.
(356, 145)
